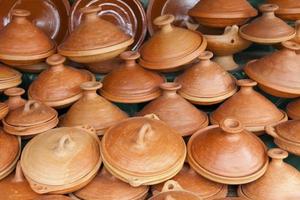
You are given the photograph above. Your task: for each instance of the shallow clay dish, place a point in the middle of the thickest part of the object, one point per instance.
(288, 9)
(15, 99)
(281, 180)
(51, 16)
(293, 109)
(267, 29)
(227, 154)
(9, 77)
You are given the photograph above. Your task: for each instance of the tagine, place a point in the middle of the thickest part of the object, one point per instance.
(288, 9)
(9, 78)
(293, 109)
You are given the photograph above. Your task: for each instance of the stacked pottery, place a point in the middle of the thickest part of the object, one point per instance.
(10, 150)
(30, 119)
(222, 13)
(288, 9)
(278, 73)
(206, 82)
(3, 110)
(189, 180)
(170, 48)
(267, 29)
(227, 153)
(56, 161)
(107, 187)
(58, 86)
(286, 135)
(15, 99)
(130, 83)
(22, 44)
(9, 78)
(177, 112)
(135, 151)
(92, 109)
(293, 109)
(251, 108)
(281, 181)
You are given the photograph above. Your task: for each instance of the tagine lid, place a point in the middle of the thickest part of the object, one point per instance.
(106, 187)
(281, 180)
(223, 9)
(94, 33)
(32, 113)
(289, 130)
(3, 110)
(53, 197)
(286, 6)
(206, 79)
(58, 82)
(131, 81)
(92, 109)
(59, 156)
(227, 150)
(7, 73)
(268, 27)
(293, 109)
(258, 111)
(9, 149)
(21, 38)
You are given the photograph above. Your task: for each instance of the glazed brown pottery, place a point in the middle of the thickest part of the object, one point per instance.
(107, 187)
(9, 78)
(277, 73)
(267, 29)
(15, 99)
(281, 181)
(15, 187)
(143, 151)
(189, 180)
(22, 43)
(176, 111)
(288, 9)
(173, 191)
(222, 13)
(130, 83)
(53, 197)
(95, 39)
(251, 108)
(227, 153)
(51, 16)
(206, 82)
(58, 86)
(56, 161)
(171, 47)
(3, 110)
(92, 109)
(293, 109)
(286, 135)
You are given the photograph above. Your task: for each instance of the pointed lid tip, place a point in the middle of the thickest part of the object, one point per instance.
(277, 153)
(231, 125)
(164, 20)
(21, 13)
(206, 55)
(268, 8)
(246, 83)
(56, 59)
(15, 91)
(91, 85)
(170, 86)
(130, 55)
(91, 9)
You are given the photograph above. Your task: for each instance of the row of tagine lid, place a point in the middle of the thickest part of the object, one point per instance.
(134, 153)
(95, 40)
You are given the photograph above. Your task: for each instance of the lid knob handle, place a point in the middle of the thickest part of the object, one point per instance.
(268, 8)
(165, 22)
(64, 143)
(130, 57)
(56, 60)
(277, 154)
(15, 91)
(144, 132)
(91, 85)
(206, 55)
(171, 185)
(30, 105)
(231, 125)
(170, 87)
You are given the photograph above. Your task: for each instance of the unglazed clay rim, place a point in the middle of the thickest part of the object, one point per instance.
(242, 194)
(17, 75)
(224, 15)
(31, 68)
(265, 40)
(141, 197)
(290, 112)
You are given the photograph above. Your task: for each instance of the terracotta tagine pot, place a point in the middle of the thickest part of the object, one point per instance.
(30, 119)
(257, 113)
(9, 77)
(190, 181)
(171, 47)
(267, 29)
(10, 150)
(106, 187)
(95, 39)
(92, 109)
(176, 111)
(3, 110)
(135, 150)
(288, 9)
(53, 197)
(227, 153)
(293, 109)
(173, 191)
(225, 45)
(130, 83)
(206, 82)
(15, 99)
(56, 161)
(281, 180)
(15, 187)
(222, 13)
(286, 135)
(277, 73)
(22, 43)
(59, 86)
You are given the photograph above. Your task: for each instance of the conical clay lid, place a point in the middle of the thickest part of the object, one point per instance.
(281, 180)
(288, 9)
(289, 130)
(3, 110)
(7, 73)
(293, 109)
(268, 28)
(130, 83)
(176, 111)
(92, 109)
(252, 109)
